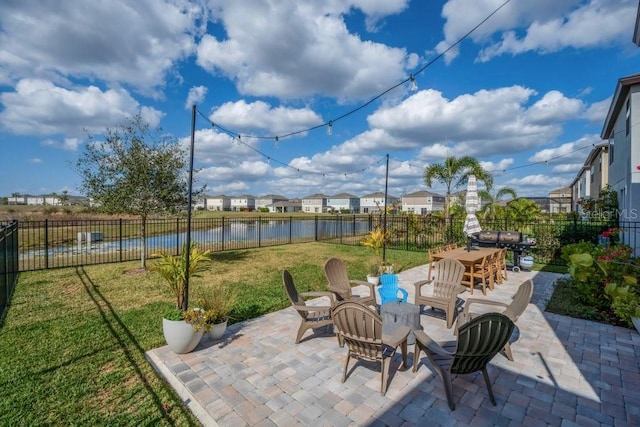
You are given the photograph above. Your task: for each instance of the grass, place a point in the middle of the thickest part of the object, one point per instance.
(74, 339)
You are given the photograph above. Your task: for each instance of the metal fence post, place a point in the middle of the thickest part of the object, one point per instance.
(46, 243)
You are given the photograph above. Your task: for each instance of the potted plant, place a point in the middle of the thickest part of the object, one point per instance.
(374, 272)
(216, 306)
(180, 325)
(376, 240)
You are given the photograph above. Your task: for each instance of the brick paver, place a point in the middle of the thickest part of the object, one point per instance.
(566, 372)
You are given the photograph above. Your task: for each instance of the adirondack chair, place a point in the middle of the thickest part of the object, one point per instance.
(389, 290)
(445, 287)
(513, 310)
(479, 340)
(360, 328)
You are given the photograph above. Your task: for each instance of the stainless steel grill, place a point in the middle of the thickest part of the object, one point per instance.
(512, 240)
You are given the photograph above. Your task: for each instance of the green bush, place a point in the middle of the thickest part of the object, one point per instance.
(576, 248)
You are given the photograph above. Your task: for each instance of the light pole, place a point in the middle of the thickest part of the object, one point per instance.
(187, 258)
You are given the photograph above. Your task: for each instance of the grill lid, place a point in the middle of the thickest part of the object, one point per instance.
(510, 237)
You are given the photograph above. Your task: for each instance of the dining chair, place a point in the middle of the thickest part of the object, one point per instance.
(482, 271)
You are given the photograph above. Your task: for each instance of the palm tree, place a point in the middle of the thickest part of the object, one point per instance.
(522, 211)
(454, 173)
(492, 206)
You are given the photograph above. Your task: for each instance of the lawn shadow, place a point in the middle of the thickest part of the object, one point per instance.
(125, 341)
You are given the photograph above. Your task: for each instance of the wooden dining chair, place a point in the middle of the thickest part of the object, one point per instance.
(502, 263)
(482, 271)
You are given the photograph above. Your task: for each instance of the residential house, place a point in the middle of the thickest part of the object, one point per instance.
(623, 135)
(269, 199)
(315, 203)
(344, 202)
(246, 202)
(218, 203)
(375, 202)
(286, 206)
(558, 201)
(422, 202)
(17, 200)
(592, 177)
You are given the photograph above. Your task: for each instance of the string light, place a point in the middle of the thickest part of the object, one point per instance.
(413, 86)
(277, 142)
(330, 128)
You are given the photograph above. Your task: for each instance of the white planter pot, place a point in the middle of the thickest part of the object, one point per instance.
(180, 335)
(636, 323)
(373, 279)
(217, 331)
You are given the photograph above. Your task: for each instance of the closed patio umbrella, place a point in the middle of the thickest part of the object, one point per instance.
(471, 223)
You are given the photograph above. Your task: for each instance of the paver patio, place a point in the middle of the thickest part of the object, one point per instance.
(566, 372)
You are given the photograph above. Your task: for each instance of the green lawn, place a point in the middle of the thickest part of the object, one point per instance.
(73, 341)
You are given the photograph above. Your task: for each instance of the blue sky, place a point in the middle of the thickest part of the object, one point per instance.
(526, 93)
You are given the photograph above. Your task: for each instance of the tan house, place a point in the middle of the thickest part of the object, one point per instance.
(315, 203)
(375, 202)
(218, 203)
(422, 202)
(592, 177)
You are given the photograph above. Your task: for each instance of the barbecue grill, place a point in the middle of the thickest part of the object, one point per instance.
(512, 240)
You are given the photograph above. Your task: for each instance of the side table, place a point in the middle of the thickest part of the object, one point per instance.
(397, 313)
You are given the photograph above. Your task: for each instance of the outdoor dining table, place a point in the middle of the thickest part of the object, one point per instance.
(469, 257)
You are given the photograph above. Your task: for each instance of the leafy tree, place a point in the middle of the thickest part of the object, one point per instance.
(136, 171)
(454, 173)
(522, 211)
(492, 209)
(64, 198)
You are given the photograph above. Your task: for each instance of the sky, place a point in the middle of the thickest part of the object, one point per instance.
(524, 87)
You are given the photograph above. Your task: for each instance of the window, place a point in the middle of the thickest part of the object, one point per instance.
(628, 116)
(600, 163)
(611, 148)
(592, 172)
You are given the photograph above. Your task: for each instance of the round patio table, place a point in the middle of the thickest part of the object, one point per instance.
(398, 313)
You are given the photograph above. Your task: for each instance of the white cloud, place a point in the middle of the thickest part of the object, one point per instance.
(68, 144)
(549, 25)
(241, 116)
(35, 160)
(555, 107)
(570, 151)
(461, 126)
(313, 53)
(196, 96)
(38, 107)
(131, 41)
(597, 112)
(541, 181)
(592, 24)
(572, 168)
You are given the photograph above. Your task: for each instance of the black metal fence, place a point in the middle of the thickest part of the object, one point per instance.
(8, 263)
(62, 243)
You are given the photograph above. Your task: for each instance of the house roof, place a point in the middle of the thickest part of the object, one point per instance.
(617, 103)
(422, 193)
(378, 194)
(272, 196)
(344, 196)
(316, 196)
